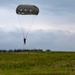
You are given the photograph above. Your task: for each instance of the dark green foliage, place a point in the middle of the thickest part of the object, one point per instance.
(48, 50)
(22, 50)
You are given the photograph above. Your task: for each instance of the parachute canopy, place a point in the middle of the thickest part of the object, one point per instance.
(27, 10)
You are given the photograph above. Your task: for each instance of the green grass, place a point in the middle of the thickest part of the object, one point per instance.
(37, 63)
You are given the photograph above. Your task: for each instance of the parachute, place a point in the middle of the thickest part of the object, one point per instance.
(26, 11)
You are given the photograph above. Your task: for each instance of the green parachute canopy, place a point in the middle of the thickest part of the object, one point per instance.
(27, 10)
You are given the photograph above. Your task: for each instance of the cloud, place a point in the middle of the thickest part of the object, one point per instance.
(54, 40)
(10, 40)
(54, 27)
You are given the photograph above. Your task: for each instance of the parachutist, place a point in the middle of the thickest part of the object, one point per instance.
(26, 10)
(24, 40)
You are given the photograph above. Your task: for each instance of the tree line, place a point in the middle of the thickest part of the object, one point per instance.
(25, 50)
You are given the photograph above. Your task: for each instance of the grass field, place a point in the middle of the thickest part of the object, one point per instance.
(37, 63)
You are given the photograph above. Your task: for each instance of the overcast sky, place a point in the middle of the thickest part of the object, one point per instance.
(53, 28)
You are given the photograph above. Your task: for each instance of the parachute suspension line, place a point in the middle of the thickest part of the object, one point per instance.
(30, 27)
(21, 27)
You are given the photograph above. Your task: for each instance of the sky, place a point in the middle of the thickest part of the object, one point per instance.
(53, 27)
